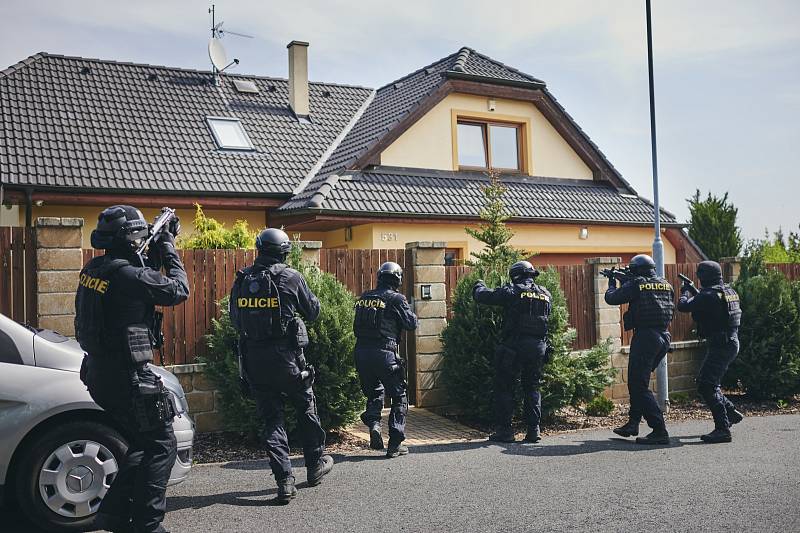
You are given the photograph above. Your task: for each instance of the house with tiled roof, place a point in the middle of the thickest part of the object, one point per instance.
(350, 166)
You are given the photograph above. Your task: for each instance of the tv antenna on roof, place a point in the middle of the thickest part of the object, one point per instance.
(216, 51)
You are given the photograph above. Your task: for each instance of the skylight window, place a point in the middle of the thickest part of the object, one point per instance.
(229, 133)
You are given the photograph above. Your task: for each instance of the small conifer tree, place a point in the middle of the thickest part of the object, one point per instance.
(471, 336)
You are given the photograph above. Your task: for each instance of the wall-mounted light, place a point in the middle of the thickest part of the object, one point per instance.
(38, 203)
(348, 233)
(583, 233)
(491, 104)
(425, 292)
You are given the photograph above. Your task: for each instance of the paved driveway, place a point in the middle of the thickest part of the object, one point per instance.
(582, 481)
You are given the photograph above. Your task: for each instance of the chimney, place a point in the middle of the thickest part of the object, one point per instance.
(298, 77)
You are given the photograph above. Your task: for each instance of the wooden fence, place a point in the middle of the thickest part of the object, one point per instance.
(790, 270)
(577, 282)
(211, 274)
(18, 274)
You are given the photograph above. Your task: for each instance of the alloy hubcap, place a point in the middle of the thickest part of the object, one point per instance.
(74, 479)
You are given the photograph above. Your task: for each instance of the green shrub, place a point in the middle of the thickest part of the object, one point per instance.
(338, 393)
(600, 406)
(768, 365)
(470, 337)
(211, 234)
(469, 342)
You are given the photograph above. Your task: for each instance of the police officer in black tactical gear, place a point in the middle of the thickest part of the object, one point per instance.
(523, 349)
(716, 310)
(381, 315)
(652, 304)
(114, 323)
(264, 303)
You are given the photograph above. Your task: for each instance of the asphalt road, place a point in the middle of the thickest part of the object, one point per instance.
(582, 481)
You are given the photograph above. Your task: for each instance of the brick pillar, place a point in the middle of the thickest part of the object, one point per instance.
(608, 326)
(58, 262)
(731, 268)
(311, 251)
(427, 266)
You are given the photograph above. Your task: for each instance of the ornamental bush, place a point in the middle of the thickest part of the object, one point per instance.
(768, 365)
(211, 234)
(471, 336)
(337, 390)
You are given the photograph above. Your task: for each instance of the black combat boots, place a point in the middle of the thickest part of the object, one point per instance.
(396, 450)
(375, 438)
(319, 470)
(502, 435)
(630, 429)
(533, 435)
(717, 436)
(657, 436)
(286, 490)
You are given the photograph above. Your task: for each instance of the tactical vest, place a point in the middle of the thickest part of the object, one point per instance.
(529, 311)
(94, 283)
(258, 303)
(654, 307)
(726, 316)
(372, 320)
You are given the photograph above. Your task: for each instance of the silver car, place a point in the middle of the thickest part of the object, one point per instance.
(59, 452)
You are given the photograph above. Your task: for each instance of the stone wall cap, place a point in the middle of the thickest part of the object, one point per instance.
(736, 259)
(42, 222)
(426, 244)
(186, 369)
(603, 260)
(310, 245)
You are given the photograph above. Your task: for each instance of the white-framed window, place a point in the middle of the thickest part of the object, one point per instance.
(229, 134)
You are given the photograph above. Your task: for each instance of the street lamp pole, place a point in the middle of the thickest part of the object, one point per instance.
(662, 376)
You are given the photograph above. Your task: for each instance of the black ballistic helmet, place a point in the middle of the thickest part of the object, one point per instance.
(391, 273)
(642, 264)
(522, 270)
(119, 227)
(274, 243)
(709, 273)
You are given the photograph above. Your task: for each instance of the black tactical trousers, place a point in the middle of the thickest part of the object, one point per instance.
(138, 492)
(648, 348)
(525, 357)
(721, 351)
(270, 400)
(381, 374)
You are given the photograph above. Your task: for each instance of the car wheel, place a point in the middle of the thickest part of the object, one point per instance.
(66, 472)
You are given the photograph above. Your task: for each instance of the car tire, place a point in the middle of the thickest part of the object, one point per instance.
(73, 462)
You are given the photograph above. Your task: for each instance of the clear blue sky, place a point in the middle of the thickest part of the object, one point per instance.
(727, 73)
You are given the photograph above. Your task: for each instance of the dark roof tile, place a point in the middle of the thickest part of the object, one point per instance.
(387, 191)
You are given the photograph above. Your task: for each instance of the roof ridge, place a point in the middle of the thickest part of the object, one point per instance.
(461, 60)
(440, 60)
(22, 64)
(42, 55)
(503, 65)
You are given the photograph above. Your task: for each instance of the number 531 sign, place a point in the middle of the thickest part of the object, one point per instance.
(386, 237)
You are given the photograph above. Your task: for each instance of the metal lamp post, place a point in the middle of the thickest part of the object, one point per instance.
(662, 376)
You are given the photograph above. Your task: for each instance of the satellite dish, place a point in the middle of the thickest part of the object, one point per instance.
(217, 54)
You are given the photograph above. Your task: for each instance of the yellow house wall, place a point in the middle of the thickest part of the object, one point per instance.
(89, 214)
(429, 142)
(539, 238)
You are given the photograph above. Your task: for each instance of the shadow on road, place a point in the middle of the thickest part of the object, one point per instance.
(13, 521)
(546, 448)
